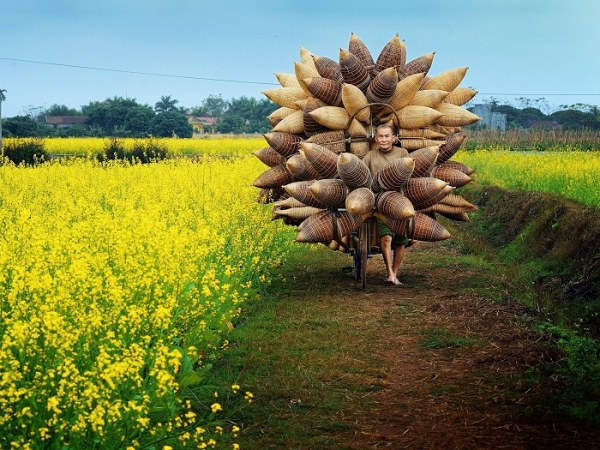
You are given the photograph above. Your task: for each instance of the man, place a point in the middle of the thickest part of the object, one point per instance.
(375, 160)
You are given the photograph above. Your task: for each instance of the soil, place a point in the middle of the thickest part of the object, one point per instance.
(446, 361)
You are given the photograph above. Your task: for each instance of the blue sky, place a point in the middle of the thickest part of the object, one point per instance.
(510, 46)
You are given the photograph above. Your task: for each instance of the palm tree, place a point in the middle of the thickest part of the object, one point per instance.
(2, 98)
(165, 104)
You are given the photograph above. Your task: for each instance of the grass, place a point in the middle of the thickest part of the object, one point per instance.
(440, 338)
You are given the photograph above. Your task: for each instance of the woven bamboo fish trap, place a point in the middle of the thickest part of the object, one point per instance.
(360, 201)
(361, 51)
(429, 97)
(451, 176)
(293, 124)
(327, 120)
(393, 176)
(322, 227)
(421, 228)
(311, 126)
(333, 140)
(455, 116)
(422, 64)
(326, 90)
(269, 157)
(353, 171)
(353, 71)
(286, 96)
(285, 144)
(458, 201)
(300, 213)
(289, 202)
(460, 96)
(394, 205)
(419, 143)
(458, 166)
(446, 81)
(425, 159)
(328, 68)
(383, 86)
(332, 117)
(392, 55)
(273, 177)
(423, 191)
(300, 190)
(323, 160)
(452, 145)
(330, 192)
(301, 169)
(279, 114)
(355, 102)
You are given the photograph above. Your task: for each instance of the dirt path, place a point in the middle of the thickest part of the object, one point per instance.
(447, 361)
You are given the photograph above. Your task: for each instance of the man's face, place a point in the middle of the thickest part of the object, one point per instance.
(384, 139)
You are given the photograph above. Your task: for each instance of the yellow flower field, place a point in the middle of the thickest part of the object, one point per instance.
(116, 283)
(571, 174)
(232, 146)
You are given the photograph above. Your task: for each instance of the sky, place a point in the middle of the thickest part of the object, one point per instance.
(513, 48)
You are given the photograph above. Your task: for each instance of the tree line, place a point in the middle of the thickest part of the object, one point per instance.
(533, 112)
(125, 117)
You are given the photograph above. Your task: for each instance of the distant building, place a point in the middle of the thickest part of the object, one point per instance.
(64, 121)
(202, 124)
(489, 119)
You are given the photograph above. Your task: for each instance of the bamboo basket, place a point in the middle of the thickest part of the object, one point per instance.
(392, 55)
(355, 102)
(333, 140)
(353, 71)
(286, 144)
(451, 146)
(273, 177)
(300, 190)
(448, 80)
(326, 90)
(330, 192)
(269, 156)
(429, 97)
(332, 117)
(294, 123)
(287, 80)
(300, 169)
(353, 171)
(311, 126)
(393, 176)
(328, 68)
(395, 205)
(360, 50)
(286, 96)
(460, 95)
(453, 177)
(360, 201)
(455, 116)
(419, 65)
(405, 91)
(424, 191)
(323, 160)
(425, 159)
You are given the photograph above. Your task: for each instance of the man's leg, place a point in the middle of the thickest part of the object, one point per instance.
(398, 257)
(389, 259)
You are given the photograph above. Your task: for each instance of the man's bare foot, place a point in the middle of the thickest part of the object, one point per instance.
(394, 280)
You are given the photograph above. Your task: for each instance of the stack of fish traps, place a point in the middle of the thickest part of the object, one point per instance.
(325, 125)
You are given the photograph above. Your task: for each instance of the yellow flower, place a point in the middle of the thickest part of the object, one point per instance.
(215, 407)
